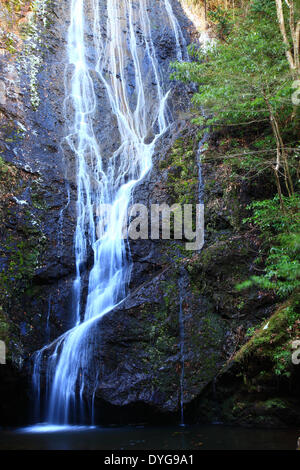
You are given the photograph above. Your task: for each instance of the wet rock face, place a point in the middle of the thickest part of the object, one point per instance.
(143, 363)
(138, 357)
(39, 204)
(36, 231)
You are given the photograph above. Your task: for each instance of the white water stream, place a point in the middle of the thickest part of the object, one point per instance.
(127, 40)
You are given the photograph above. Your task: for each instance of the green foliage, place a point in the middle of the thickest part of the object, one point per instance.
(280, 233)
(246, 81)
(273, 339)
(235, 77)
(223, 20)
(250, 332)
(246, 84)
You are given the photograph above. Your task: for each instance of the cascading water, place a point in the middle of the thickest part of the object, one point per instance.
(100, 181)
(181, 339)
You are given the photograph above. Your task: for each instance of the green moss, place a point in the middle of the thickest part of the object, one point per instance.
(275, 403)
(161, 342)
(182, 167)
(4, 327)
(27, 40)
(4, 167)
(21, 251)
(216, 270)
(273, 339)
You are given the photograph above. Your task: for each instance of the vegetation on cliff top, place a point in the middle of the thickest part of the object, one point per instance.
(247, 84)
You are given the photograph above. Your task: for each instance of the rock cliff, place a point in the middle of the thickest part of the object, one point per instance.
(138, 355)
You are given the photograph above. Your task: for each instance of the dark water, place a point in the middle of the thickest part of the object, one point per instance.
(206, 437)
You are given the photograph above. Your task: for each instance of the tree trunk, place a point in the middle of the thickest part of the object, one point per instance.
(281, 156)
(280, 16)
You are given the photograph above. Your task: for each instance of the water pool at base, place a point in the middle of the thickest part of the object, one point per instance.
(203, 437)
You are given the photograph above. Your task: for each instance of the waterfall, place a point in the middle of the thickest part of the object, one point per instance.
(142, 118)
(181, 339)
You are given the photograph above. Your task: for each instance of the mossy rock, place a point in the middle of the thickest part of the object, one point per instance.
(273, 340)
